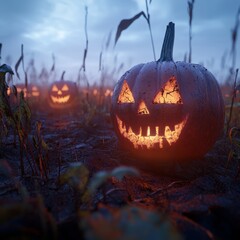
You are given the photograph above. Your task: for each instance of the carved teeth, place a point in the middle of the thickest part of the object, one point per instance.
(148, 131)
(170, 135)
(149, 140)
(60, 99)
(157, 131)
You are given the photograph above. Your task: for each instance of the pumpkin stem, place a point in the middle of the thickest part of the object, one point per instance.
(62, 77)
(167, 47)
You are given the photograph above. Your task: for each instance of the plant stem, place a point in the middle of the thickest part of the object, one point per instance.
(154, 54)
(190, 13)
(150, 30)
(190, 44)
(233, 98)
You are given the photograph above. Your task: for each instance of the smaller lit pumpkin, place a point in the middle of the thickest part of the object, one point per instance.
(62, 94)
(32, 90)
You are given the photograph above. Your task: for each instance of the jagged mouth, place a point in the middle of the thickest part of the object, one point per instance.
(151, 141)
(64, 99)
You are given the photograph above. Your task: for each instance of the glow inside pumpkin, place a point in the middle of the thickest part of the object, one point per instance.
(8, 91)
(32, 90)
(35, 91)
(60, 95)
(168, 94)
(19, 89)
(108, 93)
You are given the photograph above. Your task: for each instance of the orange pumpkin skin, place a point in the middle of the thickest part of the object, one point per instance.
(62, 94)
(167, 110)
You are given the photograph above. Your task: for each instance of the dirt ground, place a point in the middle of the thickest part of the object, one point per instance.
(198, 200)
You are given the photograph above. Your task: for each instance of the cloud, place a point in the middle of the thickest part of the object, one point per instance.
(57, 26)
(18, 16)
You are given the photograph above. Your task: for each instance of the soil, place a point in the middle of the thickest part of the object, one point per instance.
(198, 200)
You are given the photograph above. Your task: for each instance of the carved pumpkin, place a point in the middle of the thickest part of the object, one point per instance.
(62, 94)
(167, 110)
(31, 91)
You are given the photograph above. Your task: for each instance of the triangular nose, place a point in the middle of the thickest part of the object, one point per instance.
(142, 109)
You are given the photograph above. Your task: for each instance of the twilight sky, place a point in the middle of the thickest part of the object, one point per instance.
(47, 27)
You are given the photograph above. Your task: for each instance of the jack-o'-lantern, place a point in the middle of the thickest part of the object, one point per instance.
(62, 94)
(32, 91)
(167, 110)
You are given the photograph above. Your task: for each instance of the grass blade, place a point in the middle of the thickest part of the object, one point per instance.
(108, 40)
(0, 52)
(100, 61)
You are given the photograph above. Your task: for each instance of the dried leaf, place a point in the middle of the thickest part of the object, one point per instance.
(129, 223)
(125, 23)
(76, 176)
(6, 69)
(44, 145)
(98, 180)
(24, 109)
(235, 31)
(122, 171)
(53, 66)
(17, 65)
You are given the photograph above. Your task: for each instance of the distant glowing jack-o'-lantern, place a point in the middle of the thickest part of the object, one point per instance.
(167, 110)
(62, 94)
(35, 91)
(32, 91)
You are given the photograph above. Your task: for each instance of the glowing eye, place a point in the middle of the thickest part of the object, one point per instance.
(125, 95)
(169, 93)
(65, 88)
(54, 88)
